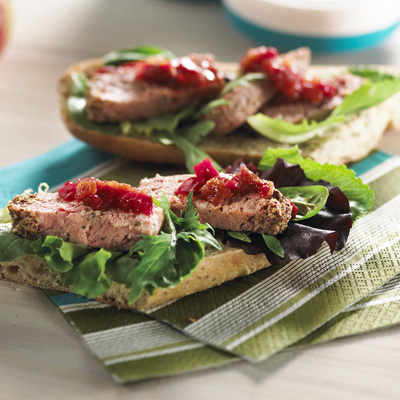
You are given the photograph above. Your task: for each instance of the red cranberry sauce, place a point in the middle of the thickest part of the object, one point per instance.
(107, 195)
(294, 210)
(216, 187)
(286, 77)
(177, 73)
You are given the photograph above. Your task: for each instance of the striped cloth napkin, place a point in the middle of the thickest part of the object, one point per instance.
(251, 318)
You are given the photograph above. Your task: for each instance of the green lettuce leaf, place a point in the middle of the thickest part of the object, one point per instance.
(309, 199)
(89, 277)
(134, 54)
(360, 195)
(377, 88)
(13, 246)
(59, 255)
(286, 132)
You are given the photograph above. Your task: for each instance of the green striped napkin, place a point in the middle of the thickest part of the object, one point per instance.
(252, 318)
(256, 316)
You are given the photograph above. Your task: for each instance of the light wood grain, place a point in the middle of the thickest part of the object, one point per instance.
(41, 357)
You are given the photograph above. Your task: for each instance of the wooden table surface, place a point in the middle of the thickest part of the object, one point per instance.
(41, 356)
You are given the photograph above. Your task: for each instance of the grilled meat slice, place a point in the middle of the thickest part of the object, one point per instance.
(295, 111)
(245, 101)
(43, 214)
(239, 213)
(117, 95)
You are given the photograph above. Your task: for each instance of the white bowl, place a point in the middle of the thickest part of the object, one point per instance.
(323, 25)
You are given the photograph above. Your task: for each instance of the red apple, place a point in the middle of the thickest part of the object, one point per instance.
(5, 21)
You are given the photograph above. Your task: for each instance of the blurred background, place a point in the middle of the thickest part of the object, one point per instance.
(47, 36)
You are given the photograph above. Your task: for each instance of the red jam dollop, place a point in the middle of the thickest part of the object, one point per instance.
(177, 72)
(107, 195)
(285, 76)
(209, 185)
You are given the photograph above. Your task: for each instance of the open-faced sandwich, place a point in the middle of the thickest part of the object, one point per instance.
(176, 235)
(149, 105)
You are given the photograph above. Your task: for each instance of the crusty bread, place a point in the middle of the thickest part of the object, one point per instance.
(344, 143)
(216, 268)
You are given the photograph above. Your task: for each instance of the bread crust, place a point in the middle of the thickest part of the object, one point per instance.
(347, 142)
(216, 268)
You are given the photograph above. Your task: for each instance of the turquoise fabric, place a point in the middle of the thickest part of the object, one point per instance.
(54, 167)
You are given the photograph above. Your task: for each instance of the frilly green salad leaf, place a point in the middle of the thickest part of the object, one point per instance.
(377, 88)
(360, 195)
(13, 246)
(160, 261)
(286, 132)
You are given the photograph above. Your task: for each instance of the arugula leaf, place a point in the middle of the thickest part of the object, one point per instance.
(211, 105)
(166, 122)
(134, 54)
(374, 91)
(274, 245)
(242, 80)
(170, 257)
(309, 199)
(369, 94)
(360, 195)
(244, 237)
(372, 74)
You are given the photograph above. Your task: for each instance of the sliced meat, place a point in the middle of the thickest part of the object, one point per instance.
(238, 213)
(43, 214)
(296, 111)
(116, 95)
(245, 101)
